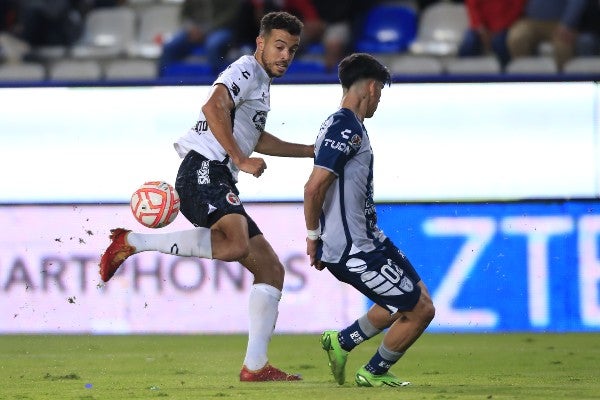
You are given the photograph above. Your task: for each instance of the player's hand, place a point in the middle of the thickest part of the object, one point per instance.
(253, 165)
(311, 251)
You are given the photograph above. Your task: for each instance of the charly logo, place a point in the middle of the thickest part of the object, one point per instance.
(388, 281)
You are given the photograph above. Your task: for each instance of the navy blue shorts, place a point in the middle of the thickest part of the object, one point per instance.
(384, 275)
(207, 192)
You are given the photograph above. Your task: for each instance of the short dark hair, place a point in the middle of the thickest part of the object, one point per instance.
(280, 20)
(359, 66)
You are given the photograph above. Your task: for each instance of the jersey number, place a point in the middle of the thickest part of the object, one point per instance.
(201, 127)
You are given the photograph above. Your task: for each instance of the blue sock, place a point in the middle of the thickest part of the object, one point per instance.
(351, 336)
(383, 360)
(356, 333)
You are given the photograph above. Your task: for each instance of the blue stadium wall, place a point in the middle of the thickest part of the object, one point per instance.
(504, 266)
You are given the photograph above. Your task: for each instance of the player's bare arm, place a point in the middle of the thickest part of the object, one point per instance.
(217, 111)
(271, 145)
(314, 195)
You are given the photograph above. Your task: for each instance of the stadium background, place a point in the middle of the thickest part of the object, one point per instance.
(490, 188)
(489, 182)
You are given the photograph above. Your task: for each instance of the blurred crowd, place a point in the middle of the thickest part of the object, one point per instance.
(27, 24)
(516, 28)
(223, 29)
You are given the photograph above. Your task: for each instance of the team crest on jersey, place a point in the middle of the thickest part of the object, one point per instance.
(406, 285)
(355, 141)
(260, 120)
(233, 199)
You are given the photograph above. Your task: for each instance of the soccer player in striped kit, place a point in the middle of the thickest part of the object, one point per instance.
(342, 233)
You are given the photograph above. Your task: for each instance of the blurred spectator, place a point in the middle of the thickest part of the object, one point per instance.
(554, 21)
(205, 23)
(11, 48)
(313, 24)
(28, 24)
(105, 3)
(48, 22)
(489, 21)
(332, 23)
(253, 10)
(8, 15)
(423, 4)
(588, 40)
(343, 19)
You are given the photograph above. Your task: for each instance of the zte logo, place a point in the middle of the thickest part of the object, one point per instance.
(343, 147)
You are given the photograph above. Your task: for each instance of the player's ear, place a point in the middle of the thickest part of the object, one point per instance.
(372, 87)
(260, 43)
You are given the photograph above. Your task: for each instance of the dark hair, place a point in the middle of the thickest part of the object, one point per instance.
(280, 20)
(359, 66)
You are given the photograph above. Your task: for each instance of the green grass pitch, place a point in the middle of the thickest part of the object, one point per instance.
(440, 366)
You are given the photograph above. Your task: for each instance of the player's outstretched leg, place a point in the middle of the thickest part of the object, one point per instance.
(195, 242)
(115, 254)
(267, 373)
(365, 378)
(337, 356)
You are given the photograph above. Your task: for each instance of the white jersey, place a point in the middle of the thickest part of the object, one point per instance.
(348, 220)
(248, 85)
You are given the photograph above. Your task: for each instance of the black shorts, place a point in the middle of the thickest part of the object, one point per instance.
(207, 192)
(384, 275)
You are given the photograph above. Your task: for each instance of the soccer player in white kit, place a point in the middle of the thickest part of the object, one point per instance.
(229, 129)
(343, 235)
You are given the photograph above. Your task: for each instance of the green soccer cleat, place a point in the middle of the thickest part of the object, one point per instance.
(365, 378)
(337, 356)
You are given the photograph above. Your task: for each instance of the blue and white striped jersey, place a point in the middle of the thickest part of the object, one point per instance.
(348, 219)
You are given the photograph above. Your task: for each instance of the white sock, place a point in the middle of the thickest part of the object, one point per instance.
(195, 242)
(263, 307)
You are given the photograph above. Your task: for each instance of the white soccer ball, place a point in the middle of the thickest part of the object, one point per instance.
(155, 204)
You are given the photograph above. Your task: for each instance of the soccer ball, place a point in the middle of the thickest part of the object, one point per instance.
(155, 204)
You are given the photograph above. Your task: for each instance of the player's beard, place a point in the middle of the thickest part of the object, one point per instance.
(271, 68)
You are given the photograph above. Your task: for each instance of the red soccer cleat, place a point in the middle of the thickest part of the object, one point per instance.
(115, 254)
(266, 374)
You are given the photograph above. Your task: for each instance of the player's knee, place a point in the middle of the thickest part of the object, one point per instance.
(240, 252)
(229, 247)
(427, 311)
(279, 272)
(236, 251)
(272, 273)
